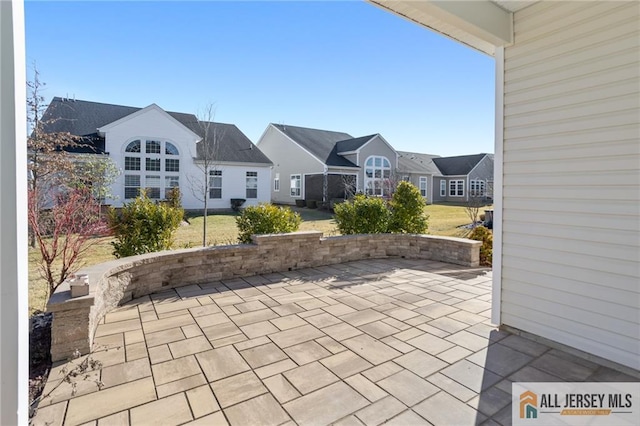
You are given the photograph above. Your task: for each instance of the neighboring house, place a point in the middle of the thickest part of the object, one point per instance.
(420, 170)
(159, 150)
(462, 177)
(566, 204)
(312, 164)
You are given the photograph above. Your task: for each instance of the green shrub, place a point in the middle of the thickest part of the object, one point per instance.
(480, 233)
(407, 210)
(266, 219)
(362, 215)
(143, 226)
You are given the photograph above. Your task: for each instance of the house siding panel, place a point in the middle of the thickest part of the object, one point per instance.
(571, 200)
(288, 159)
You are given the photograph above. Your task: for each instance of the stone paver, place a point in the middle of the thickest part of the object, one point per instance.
(392, 341)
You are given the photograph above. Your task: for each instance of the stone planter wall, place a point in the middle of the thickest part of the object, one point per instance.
(116, 282)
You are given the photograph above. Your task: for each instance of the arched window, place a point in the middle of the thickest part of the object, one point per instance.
(377, 175)
(157, 169)
(170, 149)
(133, 146)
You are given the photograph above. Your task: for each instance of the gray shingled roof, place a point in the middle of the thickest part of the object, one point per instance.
(353, 144)
(415, 162)
(460, 165)
(321, 143)
(83, 118)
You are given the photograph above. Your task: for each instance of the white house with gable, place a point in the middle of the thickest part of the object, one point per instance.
(159, 150)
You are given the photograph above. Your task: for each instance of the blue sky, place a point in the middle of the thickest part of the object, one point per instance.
(343, 66)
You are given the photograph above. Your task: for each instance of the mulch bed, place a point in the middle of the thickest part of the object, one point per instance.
(39, 355)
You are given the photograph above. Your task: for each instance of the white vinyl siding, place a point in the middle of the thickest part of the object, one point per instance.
(571, 193)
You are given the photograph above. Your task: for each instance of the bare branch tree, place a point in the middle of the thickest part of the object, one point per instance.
(349, 185)
(64, 232)
(49, 165)
(473, 205)
(207, 159)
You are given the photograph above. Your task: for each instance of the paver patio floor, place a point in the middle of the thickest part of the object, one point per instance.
(368, 342)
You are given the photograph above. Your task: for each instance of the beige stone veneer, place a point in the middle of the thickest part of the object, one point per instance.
(116, 282)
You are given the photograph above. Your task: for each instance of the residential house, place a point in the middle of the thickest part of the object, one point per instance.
(420, 170)
(313, 164)
(567, 195)
(159, 150)
(462, 177)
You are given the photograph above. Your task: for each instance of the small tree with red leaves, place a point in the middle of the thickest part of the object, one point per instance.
(64, 232)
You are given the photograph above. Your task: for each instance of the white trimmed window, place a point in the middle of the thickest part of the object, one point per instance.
(456, 188)
(252, 184)
(150, 155)
(131, 186)
(169, 183)
(423, 186)
(443, 188)
(477, 188)
(296, 186)
(276, 183)
(215, 183)
(377, 173)
(152, 185)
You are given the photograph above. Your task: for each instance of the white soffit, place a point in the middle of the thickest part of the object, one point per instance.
(480, 24)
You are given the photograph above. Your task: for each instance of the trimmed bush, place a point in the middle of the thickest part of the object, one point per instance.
(362, 215)
(143, 226)
(480, 233)
(266, 219)
(407, 210)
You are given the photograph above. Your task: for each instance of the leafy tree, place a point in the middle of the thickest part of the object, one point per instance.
(64, 232)
(143, 226)
(362, 215)
(97, 172)
(266, 219)
(407, 210)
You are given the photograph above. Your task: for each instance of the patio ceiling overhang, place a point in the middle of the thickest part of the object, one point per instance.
(480, 24)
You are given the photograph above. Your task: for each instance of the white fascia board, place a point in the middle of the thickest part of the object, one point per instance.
(480, 24)
(299, 146)
(264, 133)
(107, 127)
(347, 152)
(337, 168)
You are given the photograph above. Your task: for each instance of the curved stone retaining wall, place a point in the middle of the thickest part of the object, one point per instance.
(116, 282)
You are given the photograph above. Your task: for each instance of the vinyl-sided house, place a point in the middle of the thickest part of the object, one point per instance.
(462, 177)
(158, 150)
(313, 164)
(420, 170)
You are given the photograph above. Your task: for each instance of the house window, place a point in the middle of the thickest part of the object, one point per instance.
(456, 188)
(153, 147)
(132, 163)
(170, 182)
(406, 178)
(477, 188)
(152, 164)
(131, 186)
(171, 165)
(170, 149)
(296, 186)
(152, 185)
(215, 183)
(133, 146)
(252, 184)
(443, 188)
(423, 186)
(276, 183)
(377, 173)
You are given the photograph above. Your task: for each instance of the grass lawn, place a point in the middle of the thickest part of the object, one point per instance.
(221, 230)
